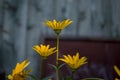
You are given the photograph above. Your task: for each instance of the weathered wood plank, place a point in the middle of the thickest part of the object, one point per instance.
(20, 29)
(23, 22)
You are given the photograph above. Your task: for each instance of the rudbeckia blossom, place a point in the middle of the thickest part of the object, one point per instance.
(74, 61)
(19, 73)
(57, 26)
(117, 71)
(44, 50)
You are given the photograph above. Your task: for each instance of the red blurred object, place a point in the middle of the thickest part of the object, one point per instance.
(101, 54)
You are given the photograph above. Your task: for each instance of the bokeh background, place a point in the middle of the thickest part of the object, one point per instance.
(95, 33)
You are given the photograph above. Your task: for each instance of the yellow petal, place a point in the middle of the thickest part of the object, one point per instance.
(74, 61)
(44, 50)
(67, 59)
(117, 79)
(117, 70)
(18, 69)
(58, 25)
(64, 60)
(70, 59)
(10, 77)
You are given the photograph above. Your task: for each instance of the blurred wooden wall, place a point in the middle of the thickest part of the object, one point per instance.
(21, 25)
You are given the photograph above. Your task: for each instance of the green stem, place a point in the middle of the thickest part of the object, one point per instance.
(72, 75)
(41, 67)
(57, 55)
(57, 74)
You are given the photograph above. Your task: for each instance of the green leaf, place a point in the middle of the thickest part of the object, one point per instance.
(47, 78)
(55, 67)
(67, 78)
(61, 65)
(33, 77)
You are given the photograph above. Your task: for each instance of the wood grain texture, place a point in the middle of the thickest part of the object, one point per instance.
(22, 25)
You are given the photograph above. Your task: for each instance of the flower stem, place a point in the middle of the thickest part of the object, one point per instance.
(57, 55)
(57, 74)
(41, 69)
(72, 76)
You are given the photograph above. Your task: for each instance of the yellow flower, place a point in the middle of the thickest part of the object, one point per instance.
(74, 62)
(19, 73)
(58, 26)
(44, 50)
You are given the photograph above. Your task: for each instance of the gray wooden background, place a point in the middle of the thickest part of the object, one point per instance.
(21, 25)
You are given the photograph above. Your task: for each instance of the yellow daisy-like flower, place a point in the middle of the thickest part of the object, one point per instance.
(117, 71)
(74, 61)
(44, 50)
(19, 73)
(58, 26)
